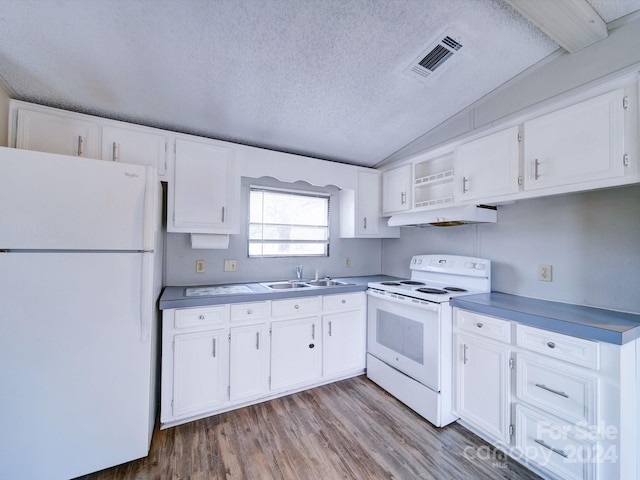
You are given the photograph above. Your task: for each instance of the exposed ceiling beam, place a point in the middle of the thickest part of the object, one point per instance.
(573, 24)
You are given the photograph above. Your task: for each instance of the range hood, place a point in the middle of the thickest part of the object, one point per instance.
(446, 217)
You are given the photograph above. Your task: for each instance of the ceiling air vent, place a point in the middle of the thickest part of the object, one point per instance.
(433, 58)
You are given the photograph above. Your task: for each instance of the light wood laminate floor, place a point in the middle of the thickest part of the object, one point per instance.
(350, 429)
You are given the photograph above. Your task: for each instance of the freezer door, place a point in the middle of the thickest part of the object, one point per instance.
(75, 377)
(52, 201)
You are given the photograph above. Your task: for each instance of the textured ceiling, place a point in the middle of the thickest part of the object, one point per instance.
(323, 78)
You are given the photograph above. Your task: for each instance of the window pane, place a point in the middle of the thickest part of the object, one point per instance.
(288, 223)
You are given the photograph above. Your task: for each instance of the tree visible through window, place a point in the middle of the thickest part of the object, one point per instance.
(288, 224)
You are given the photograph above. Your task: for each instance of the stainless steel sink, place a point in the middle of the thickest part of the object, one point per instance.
(285, 285)
(325, 283)
(293, 285)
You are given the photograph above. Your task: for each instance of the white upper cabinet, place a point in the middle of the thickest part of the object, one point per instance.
(488, 166)
(396, 190)
(360, 209)
(205, 192)
(135, 145)
(64, 134)
(433, 181)
(580, 143)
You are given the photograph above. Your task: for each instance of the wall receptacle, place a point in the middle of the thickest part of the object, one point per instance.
(544, 273)
(199, 266)
(230, 265)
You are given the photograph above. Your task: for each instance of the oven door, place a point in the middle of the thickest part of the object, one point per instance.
(405, 334)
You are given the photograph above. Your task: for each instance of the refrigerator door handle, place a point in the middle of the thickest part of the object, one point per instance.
(146, 297)
(150, 195)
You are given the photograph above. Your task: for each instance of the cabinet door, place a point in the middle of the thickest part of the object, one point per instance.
(200, 369)
(343, 342)
(248, 362)
(489, 166)
(130, 145)
(396, 190)
(367, 203)
(482, 377)
(580, 143)
(57, 133)
(205, 190)
(296, 352)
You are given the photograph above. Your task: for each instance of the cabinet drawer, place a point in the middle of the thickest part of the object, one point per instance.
(296, 306)
(564, 347)
(558, 389)
(347, 301)
(249, 311)
(555, 446)
(196, 317)
(484, 325)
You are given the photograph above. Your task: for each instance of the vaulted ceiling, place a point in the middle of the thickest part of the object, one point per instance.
(330, 79)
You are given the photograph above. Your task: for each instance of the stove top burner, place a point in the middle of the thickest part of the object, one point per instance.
(435, 291)
(391, 284)
(455, 289)
(411, 282)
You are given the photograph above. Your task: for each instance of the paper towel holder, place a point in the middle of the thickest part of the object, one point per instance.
(209, 241)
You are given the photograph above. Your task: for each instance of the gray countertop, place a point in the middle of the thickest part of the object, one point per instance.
(575, 320)
(174, 296)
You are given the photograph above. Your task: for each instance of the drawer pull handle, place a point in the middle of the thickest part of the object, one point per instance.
(549, 447)
(80, 145)
(557, 392)
(257, 340)
(201, 317)
(329, 328)
(313, 331)
(479, 325)
(551, 345)
(214, 348)
(464, 354)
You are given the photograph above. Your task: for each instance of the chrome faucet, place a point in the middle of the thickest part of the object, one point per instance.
(299, 272)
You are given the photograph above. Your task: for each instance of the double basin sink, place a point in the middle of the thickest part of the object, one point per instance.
(298, 284)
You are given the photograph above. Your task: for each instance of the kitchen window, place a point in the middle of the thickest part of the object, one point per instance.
(288, 223)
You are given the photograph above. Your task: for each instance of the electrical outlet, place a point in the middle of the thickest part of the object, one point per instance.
(199, 266)
(347, 262)
(544, 273)
(230, 265)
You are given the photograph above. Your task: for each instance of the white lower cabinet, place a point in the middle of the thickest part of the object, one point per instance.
(217, 358)
(482, 385)
(344, 339)
(564, 406)
(248, 361)
(296, 352)
(200, 363)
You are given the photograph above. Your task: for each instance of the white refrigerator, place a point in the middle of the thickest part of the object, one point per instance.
(80, 274)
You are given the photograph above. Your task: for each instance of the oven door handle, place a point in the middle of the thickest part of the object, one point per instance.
(404, 300)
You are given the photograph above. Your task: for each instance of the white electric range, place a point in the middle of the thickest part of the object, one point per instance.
(409, 330)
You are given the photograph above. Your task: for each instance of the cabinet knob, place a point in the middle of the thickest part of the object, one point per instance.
(479, 325)
(551, 345)
(296, 307)
(201, 317)
(249, 312)
(344, 301)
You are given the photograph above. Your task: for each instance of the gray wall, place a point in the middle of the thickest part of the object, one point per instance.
(592, 239)
(365, 254)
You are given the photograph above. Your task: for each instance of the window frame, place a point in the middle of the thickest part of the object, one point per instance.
(293, 192)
